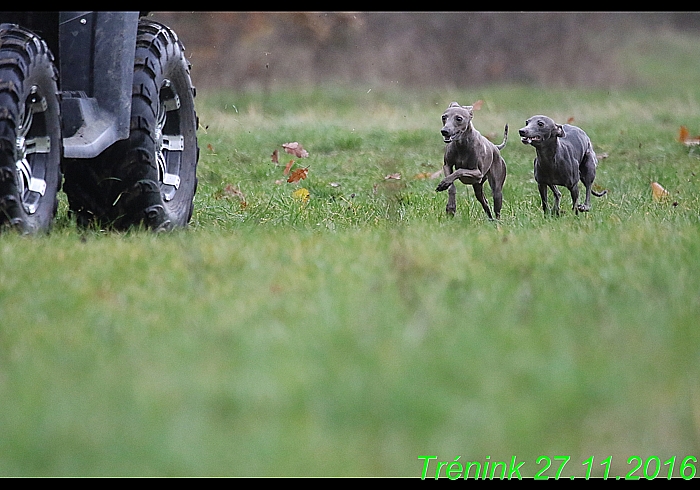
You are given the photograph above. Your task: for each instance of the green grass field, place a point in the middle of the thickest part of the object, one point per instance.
(352, 333)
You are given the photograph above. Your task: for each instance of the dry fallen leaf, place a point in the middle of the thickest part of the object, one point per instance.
(428, 175)
(570, 120)
(298, 174)
(477, 105)
(295, 149)
(301, 194)
(658, 192)
(275, 158)
(230, 191)
(395, 176)
(685, 138)
(210, 148)
(288, 167)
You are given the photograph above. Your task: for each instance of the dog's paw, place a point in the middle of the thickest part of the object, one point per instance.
(443, 186)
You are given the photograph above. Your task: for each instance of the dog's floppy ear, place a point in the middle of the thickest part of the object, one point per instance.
(559, 132)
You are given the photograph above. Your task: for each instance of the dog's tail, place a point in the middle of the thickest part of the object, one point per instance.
(599, 194)
(505, 138)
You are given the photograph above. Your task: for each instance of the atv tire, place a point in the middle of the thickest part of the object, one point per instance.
(150, 178)
(30, 132)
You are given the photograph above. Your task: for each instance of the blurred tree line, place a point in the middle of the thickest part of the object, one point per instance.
(265, 49)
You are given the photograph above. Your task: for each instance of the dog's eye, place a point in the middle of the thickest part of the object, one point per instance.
(459, 118)
(444, 118)
(540, 124)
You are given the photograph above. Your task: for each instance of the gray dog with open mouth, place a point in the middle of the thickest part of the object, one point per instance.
(564, 156)
(472, 159)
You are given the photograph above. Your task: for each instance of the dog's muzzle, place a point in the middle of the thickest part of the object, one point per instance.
(528, 140)
(447, 137)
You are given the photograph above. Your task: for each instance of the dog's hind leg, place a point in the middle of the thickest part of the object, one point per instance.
(587, 172)
(497, 193)
(586, 206)
(497, 177)
(574, 198)
(479, 193)
(497, 202)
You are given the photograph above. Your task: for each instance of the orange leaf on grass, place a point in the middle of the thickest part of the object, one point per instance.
(298, 174)
(288, 167)
(275, 158)
(685, 138)
(658, 192)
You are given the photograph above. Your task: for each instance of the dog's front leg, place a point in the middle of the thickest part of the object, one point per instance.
(557, 198)
(448, 180)
(451, 200)
(451, 190)
(543, 195)
(466, 175)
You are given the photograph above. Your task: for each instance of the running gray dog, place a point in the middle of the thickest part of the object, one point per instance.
(472, 159)
(564, 156)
